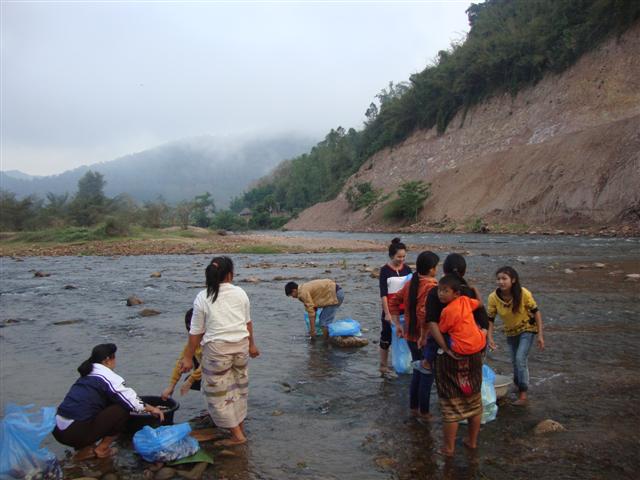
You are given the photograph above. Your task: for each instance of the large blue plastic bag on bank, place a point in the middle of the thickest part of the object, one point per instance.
(346, 327)
(400, 353)
(21, 433)
(488, 392)
(164, 444)
(318, 327)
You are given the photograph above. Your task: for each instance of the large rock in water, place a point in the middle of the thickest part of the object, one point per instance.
(548, 426)
(149, 312)
(348, 342)
(133, 300)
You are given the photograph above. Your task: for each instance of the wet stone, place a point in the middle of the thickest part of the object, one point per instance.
(548, 426)
(156, 275)
(251, 280)
(69, 287)
(40, 274)
(67, 322)
(149, 312)
(133, 300)
(165, 473)
(349, 342)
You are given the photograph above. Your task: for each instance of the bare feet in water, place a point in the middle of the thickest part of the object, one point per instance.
(467, 443)
(230, 442)
(106, 452)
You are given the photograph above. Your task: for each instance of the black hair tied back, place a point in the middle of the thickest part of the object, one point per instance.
(215, 274)
(425, 262)
(99, 354)
(396, 244)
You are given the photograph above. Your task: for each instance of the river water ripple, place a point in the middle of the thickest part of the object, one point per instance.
(321, 412)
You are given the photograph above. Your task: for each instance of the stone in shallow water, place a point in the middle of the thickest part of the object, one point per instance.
(548, 426)
(165, 473)
(149, 312)
(133, 300)
(348, 342)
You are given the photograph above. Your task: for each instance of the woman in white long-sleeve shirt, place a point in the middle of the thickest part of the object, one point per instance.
(221, 323)
(97, 406)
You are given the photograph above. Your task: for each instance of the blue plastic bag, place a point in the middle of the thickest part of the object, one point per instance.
(164, 444)
(346, 327)
(488, 392)
(400, 353)
(318, 327)
(21, 433)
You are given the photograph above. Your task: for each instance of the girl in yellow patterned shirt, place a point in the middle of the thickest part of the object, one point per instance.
(522, 322)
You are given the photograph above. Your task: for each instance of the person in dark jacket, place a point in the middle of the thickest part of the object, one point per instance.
(97, 406)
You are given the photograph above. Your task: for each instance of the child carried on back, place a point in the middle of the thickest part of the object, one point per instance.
(457, 320)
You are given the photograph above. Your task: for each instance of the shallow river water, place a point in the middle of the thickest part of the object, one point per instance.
(321, 412)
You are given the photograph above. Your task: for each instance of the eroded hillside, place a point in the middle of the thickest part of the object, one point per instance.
(565, 154)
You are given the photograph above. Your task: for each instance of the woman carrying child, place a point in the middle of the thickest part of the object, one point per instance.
(454, 309)
(522, 322)
(393, 276)
(222, 324)
(413, 296)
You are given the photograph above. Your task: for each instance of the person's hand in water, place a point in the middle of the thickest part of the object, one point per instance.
(155, 411)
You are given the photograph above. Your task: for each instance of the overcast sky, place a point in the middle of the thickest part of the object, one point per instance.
(84, 82)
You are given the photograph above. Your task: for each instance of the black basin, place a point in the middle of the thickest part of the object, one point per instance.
(139, 420)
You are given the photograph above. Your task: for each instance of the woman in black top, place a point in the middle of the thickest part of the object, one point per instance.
(392, 277)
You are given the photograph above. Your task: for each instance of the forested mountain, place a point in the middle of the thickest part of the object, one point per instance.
(177, 171)
(511, 45)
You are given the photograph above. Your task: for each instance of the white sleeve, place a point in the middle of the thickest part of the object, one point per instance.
(130, 396)
(198, 318)
(247, 308)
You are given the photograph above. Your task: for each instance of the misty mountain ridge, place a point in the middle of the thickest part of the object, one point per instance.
(179, 170)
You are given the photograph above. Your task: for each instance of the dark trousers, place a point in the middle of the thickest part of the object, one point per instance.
(385, 334)
(420, 389)
(109, 422)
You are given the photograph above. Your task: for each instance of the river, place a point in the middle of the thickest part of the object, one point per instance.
(319, 412)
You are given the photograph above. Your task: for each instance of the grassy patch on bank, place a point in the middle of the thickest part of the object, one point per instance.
(60, 235)
(260, 249)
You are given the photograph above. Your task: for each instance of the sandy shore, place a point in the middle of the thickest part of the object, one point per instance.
(202, 241)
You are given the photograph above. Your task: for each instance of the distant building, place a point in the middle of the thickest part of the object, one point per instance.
(245, 213)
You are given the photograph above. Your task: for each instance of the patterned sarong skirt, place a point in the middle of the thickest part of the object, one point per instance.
(225, 381)
(459, 383)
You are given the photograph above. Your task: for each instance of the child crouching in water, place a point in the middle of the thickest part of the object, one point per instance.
(458, 370)
(193, 380)
(522, 321)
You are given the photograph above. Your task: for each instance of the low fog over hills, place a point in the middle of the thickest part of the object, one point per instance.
(223, 166)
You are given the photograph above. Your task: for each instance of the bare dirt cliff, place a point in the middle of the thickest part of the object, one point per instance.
(562, 154)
